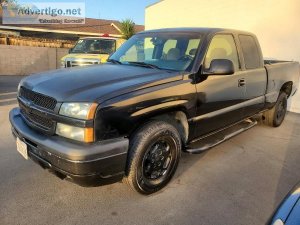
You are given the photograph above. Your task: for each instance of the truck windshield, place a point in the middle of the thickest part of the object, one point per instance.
(95, 46)
(169, 50)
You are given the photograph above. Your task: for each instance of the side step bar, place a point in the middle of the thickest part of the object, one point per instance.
(214, 139)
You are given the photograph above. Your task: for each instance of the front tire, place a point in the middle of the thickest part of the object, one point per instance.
(153, 158)
(275, 116)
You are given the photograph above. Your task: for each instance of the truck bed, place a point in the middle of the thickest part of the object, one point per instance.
(279, 72)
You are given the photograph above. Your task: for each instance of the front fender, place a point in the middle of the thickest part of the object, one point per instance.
(126, 112)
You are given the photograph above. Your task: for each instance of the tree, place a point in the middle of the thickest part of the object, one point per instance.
(127, 28)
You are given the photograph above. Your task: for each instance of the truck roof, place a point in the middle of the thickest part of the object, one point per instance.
(196, 30)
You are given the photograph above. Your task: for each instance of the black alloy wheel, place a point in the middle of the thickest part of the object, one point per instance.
(154, 154)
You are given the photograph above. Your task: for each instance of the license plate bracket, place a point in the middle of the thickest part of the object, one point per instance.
(22, 148)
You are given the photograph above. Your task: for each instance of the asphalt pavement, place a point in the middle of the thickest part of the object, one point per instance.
(238, 182)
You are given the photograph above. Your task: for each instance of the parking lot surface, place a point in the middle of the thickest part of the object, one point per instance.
(238, 182)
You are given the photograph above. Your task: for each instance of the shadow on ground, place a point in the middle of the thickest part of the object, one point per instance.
(9, 98)
(8, 89)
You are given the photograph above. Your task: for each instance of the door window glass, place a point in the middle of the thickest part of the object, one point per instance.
(222, 46)
(250, 52)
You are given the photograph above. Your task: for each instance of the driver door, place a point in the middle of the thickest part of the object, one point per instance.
(220, 97)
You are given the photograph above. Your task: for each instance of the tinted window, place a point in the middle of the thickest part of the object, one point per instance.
(222, 47)
(250, 52)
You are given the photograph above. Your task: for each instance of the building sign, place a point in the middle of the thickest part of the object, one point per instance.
(43, 13)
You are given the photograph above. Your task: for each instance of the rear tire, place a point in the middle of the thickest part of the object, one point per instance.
(153, 157)
(275, 116)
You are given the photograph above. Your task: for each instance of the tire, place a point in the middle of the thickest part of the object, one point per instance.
(275, 116)
(154, 154)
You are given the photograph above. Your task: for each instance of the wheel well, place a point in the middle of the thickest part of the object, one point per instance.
(287, 88)
(179, 120)
(176, 118)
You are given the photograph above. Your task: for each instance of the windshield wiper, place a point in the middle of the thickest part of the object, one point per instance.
(148, 65)
(114, 61)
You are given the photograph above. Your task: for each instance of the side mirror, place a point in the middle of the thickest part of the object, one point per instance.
(70, 50)
(220, 67)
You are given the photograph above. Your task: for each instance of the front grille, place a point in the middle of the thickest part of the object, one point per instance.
(32, 115)
(38, 99)
(38, 120)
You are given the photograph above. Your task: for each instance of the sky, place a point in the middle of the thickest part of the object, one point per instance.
(110, 9)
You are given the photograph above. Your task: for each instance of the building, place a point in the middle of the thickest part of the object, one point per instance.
(274, 22)
(92, 27)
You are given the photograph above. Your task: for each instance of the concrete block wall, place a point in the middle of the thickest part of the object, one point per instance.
(25, 60)
(60, 52)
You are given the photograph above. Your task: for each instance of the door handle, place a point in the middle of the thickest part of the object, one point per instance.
(242, 82)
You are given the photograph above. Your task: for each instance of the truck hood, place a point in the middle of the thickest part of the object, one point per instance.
(96, 83)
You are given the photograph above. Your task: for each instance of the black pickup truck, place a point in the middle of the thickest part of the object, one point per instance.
(162, 92)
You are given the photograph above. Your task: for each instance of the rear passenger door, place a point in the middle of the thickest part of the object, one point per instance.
(254, 74)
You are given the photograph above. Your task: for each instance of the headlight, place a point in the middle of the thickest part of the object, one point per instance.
(84, 111)
(75, 133)
(278, 222)
(62, 64)
(19, 86)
